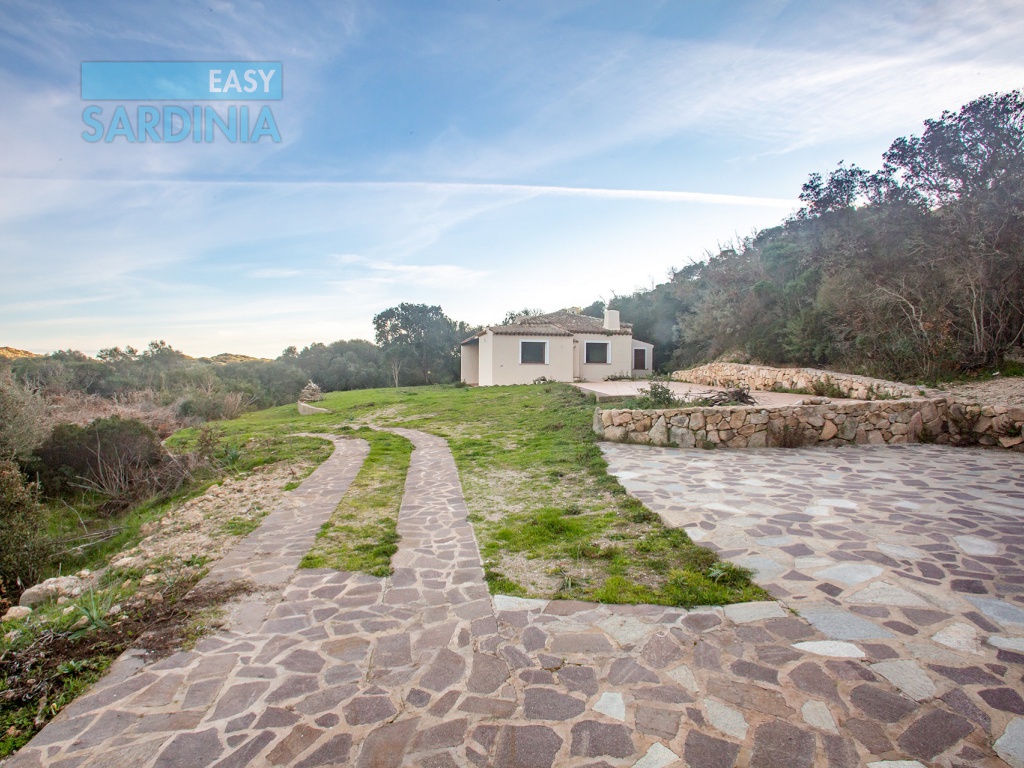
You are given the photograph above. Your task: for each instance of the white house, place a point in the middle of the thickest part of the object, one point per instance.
(560, 346)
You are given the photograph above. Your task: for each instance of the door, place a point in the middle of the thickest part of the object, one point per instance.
(640, 359)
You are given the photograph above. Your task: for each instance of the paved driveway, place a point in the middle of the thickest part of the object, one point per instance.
(322, 669)
(914, 554)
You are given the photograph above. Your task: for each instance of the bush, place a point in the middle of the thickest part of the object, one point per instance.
(24, 550)
(216, 406)
(21, 420)
(105, 456)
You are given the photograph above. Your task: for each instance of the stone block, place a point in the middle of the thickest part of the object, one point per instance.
(684, 438)
(829, 430)
(615, 434)
(659, 432)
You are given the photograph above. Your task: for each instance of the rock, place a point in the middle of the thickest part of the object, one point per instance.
(16, 612)
(829, 430)
(1010, 746)
(615, 434)
(659, 432)
(59, 586)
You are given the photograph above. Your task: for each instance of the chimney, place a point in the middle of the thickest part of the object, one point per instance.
(611, 319)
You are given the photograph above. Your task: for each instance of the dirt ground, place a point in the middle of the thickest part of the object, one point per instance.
(998, 391)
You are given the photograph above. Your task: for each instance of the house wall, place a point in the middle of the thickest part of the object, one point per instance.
(486, 360)
(505, 367)
(649, 358)
(621, 362)
(471, 363)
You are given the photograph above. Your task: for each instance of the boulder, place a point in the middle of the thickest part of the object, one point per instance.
(51, 589)
(659, 432)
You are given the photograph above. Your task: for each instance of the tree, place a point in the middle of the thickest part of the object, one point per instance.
(21, 420)
(512, 316)
(424, 337)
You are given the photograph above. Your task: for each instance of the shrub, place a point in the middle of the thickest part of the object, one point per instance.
(21, 420)
(105, 456)
(24, 550)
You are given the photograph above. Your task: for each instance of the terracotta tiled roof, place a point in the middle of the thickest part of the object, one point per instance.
(559, 323)
(529, 329)
(581, 324)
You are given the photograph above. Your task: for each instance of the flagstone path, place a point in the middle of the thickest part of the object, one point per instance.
(913, 553)
(425, 669)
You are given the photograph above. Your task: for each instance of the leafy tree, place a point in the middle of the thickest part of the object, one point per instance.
(913, 271)
(21, 414)
(424, 337)
(512, 316)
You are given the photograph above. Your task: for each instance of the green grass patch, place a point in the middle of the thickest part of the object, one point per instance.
(550, 520)
(362, 534)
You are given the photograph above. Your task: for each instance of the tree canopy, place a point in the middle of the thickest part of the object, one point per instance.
(913, 270)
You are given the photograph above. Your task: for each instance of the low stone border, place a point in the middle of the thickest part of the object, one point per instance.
(938, 420)
(305, 409)
(766, 378)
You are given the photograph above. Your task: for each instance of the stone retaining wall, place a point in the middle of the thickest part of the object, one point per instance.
(766, 378)
(938, 420)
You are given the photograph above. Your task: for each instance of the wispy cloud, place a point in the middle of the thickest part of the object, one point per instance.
(273, 274)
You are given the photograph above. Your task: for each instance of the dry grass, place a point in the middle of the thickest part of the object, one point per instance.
(82, 409)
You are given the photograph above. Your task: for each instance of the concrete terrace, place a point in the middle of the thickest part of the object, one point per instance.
(896, 640)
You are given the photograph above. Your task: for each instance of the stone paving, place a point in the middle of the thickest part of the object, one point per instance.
(912, 554)
(425, 669)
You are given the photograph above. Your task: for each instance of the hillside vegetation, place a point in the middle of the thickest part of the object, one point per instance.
(911, 272)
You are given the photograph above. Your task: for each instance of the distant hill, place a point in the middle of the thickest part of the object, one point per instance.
(11, 353)
(227, 357)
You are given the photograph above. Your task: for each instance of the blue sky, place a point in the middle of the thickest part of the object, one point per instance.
(483, 155)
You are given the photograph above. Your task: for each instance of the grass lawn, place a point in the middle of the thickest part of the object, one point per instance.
(550, 520)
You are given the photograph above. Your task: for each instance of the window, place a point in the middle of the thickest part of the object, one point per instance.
(533, 352)
(639, 359)
(598, 352)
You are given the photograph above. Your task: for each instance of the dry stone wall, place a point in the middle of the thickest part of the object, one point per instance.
(766, 378)
(938, 420)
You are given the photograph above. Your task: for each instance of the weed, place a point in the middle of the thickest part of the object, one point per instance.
(500, 584)
(240, 526)
(791, 390)
(786, 436)
(94, 609)
(827, 388)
